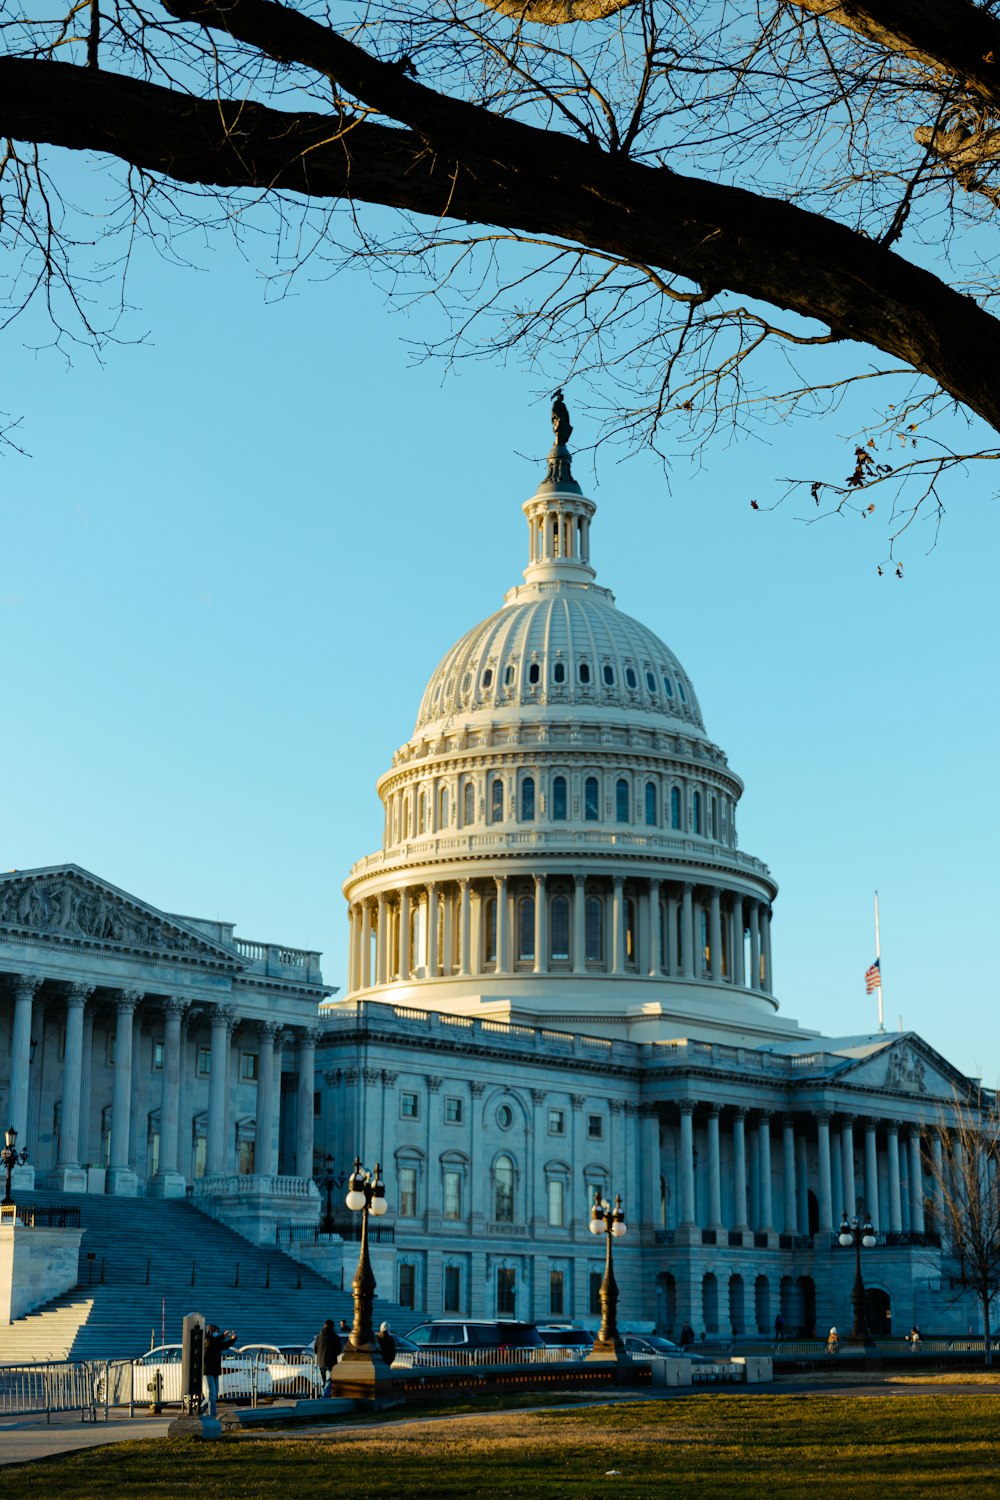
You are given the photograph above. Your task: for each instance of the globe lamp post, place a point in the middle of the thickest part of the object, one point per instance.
(361, 1363)
(610, 1222)
(11, 1158)
(853, 1232)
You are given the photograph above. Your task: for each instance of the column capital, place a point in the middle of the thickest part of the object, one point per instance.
(618, 881)
(714, 1110)
(127, 1000)
(578, 1100)
(269, 1031)
(433, 1082)
(823, 1116)
(893, 1126)
(788, 1122)
(579, 881)
(764, 1116)
(306, 1036)
(846, 1120)
(174, 1005)
(25, 985)
(740, 1112)
(538, 1096)
(685, 1106)
(649, 1111)
(224, 1015)
(79, 992)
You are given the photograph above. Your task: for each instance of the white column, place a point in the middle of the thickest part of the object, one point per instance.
(871, 1173)
(353, 944)
(715, 934)
(25, 986)
(802, 1179)
(503, 966)
(937, 1151)
(69, 1115)
(764, 1161)
(365, 956)
(120, 1178)
(433, 956)
(670, 956)
(405, 957)
(217, 1152)
(892, 1156)
(687, 931)
(617, 925)
(381, 947)
(738, 975)
(464, 927)
(579, 925)
(655, 956)
(916, 1183)
(714, 1170)
(740, 1171)
(169, 1182)
(687, 1218)
(649, 1134)
(823, 1153)
(541, 957)
(754, 945)
(446, 957)
(765, 941)
(847, 1167)
(264, 1148)
(304, 1121)
(86, 1067)
(788, 1166)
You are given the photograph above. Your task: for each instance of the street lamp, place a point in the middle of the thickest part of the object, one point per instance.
(11, 1158)
(327, 1224)
(366, 1196)
(853, 1232)
(611, 1223)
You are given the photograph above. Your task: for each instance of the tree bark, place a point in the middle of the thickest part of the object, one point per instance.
(460, 162)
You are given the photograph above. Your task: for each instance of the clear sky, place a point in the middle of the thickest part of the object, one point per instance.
(236, 551)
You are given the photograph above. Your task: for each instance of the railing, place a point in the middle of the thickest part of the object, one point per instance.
(252, 1185)
(957, 1346)
(921, 1239)
(38, 1216)
(64, 1385)
(348, 1229)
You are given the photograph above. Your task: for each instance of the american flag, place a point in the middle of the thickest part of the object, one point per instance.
(873, 977)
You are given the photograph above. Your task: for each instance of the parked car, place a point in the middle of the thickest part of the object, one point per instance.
(235, 1383)
(470, 1334)
(407, 1352)
(653, 1346)
(283, 1371)
(574, 1343)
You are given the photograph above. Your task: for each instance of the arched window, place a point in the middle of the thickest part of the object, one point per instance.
(631, 681)
(490, 930)
(534, 671)
(443, 807)
(650, 682)
(594, 929)
(559, 672)
(706, 947)
(696, 812)
(526, 929)
(583, 672)
(468, 804)
(406, 818)
(713, 819)
(609, 676)
(559, 799)
(528, 800)
(591, 800)
(422, 812)
(621, 801)
(488, 677)
(667, 688)
(675, 807)
(503, 1191)
(680, 689)
(560, 928)
(650, 805)
(631, 932)
(496, 801)
(508, 675)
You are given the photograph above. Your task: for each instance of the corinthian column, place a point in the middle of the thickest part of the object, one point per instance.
(305, 1116)
(686, 1107)
(223, 1026)
(121, 1180)
(264, 1152)
(25, 986)
(68, 1176)
(169, 1182)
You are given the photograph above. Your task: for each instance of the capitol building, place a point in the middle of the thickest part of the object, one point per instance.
(561, 981)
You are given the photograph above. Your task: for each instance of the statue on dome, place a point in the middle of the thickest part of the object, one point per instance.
(560, 419)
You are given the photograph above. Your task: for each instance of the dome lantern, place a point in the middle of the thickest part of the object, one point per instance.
(559, 515)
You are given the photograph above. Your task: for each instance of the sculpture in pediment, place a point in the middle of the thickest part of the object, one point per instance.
(66, 906)
(906, 1071)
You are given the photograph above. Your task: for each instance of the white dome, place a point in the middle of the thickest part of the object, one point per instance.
(561, 645)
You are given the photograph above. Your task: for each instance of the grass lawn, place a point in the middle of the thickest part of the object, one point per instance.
(835, 1445)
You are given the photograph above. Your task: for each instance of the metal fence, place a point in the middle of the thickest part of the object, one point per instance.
(943, 1346)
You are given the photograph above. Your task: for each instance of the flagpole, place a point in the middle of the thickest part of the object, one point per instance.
(878, 960)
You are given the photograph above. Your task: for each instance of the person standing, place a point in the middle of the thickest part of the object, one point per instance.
(386, 1343)
(215, 1343)
(326, 1347)
(779, 1327)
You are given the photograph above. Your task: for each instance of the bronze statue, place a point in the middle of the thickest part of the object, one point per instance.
(560, 418)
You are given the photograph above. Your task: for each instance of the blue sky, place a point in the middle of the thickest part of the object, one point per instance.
(237, 550)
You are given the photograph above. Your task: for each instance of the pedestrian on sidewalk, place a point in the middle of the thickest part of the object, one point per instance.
(326, 1347)
(215, 1343)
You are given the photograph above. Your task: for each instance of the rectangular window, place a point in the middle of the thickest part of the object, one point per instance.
(452, 1289)
(453, 1195)
(407, 1286)
(506, 1292)
(204, 1061)
(557, 1122)
(453, 1111)
(248, 1067)
(596, 1278)
(409, 1106)
(407, 1193)
(157, 1057)
(557, 1203)
(595, 1127)
(557, 1294)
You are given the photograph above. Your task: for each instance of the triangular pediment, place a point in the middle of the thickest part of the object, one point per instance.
(905, 1065)
(66, 903)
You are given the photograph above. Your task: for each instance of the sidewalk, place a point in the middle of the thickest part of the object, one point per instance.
(25, 1438)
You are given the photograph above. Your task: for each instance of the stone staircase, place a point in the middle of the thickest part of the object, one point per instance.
(153, 1261)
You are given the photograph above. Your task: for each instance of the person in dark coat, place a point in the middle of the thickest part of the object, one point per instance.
(326, 1347)
(215, 1343)
(386, 1343)
(687, 1335)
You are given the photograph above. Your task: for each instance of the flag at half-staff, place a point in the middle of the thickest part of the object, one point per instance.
(873, 978)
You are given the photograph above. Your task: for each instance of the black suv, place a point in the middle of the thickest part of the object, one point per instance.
(475, 1333)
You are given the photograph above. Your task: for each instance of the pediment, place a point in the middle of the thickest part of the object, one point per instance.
(906, 1066)
(69, 904)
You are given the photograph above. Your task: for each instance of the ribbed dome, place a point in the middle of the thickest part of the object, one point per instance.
(561, 644)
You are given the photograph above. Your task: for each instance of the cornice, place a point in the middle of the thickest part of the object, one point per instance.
(367, 1034)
